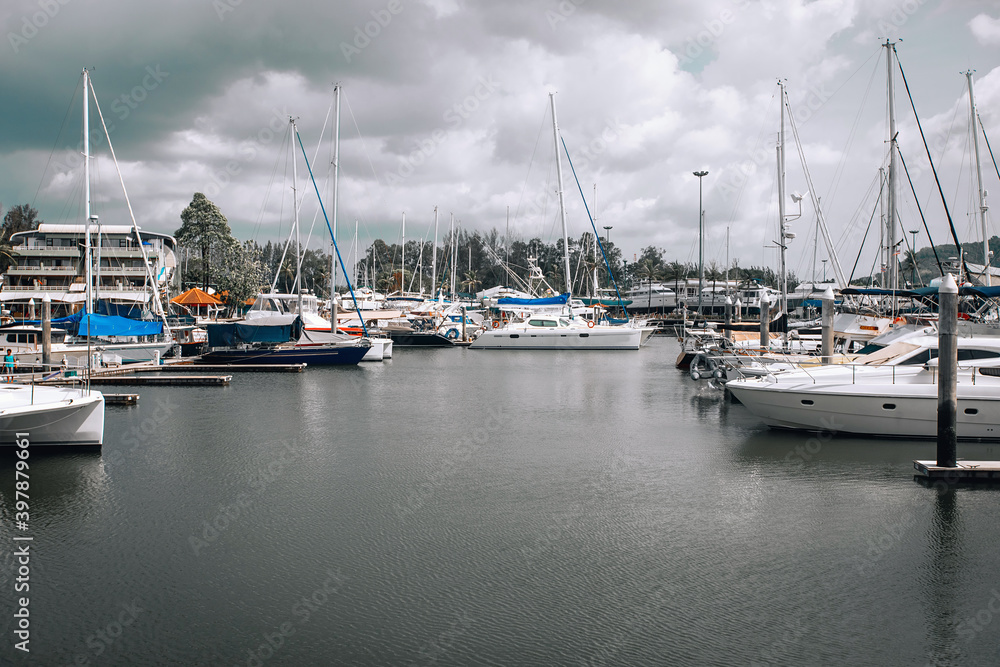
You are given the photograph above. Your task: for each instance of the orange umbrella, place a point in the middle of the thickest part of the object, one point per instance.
(196, 297)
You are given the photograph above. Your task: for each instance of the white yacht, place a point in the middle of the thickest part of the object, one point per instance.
(51, 415)
(316, 329)
(554, 332)
(650, 297)
(893, 393)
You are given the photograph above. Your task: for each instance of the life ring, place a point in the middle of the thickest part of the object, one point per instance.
(590, 323)
(452, 334)
(496, 324)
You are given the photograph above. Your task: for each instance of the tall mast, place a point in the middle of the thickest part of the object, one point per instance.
(357, 249)
(434, 256)
(890, 221)
(295, 211)
(454, 262)
(594, 293)
(979, 181)
(782, 239)
(336, 197)
(402, 268)
(562, 201)
(89, 299)
(451, 256)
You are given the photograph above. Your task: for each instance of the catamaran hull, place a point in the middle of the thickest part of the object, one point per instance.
(312, 356)
(73, 421)
(885, 413)
(556, 339)
(420, 339)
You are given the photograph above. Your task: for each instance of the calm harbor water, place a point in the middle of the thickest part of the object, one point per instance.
(461, 507)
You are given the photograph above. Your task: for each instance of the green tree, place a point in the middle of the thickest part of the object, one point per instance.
(204, 227)
(20, 218)
(241, 273)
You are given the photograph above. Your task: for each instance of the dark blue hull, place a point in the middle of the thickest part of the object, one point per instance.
(312, 356)
(419, 339)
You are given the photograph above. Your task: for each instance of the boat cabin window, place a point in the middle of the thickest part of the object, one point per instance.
(20, 338)
(966, 355)
(541, 323)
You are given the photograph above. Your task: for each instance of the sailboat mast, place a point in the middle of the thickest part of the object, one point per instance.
(402, 262)
(979, 182)
(562, 199)
(89, 299)
(890, 222)
(336, 197)
(434, 256)
(783, 240)
(594, 293)
(295, 212)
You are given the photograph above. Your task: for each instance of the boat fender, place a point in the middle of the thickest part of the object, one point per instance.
(452, 334)
(719, 374)
(590, 323)
(696, 366)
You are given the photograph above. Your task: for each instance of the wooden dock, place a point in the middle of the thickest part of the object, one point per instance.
(964, 471)
(121, 399)
(150, 380)
(230, 368)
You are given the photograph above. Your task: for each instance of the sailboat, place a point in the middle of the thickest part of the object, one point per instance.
(562, 331)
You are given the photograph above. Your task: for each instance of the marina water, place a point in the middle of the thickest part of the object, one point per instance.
(462, 507)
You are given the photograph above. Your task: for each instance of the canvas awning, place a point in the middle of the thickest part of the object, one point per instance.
(196, 297)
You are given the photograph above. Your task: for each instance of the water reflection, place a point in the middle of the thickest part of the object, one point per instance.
(941, 577)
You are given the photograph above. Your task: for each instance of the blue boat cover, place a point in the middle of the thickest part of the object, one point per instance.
(112, 325)
(560, 300)
(102, 325)
(231, 334)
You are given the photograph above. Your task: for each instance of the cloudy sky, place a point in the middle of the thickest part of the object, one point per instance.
(445, 103)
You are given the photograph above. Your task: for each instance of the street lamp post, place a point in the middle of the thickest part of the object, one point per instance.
(824, 269)
(913, 258)
(607, 234)
(701, 240)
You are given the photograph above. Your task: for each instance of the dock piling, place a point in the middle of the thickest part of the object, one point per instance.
(46, 332)
(765, 323)
(947, 433)
(827, 316)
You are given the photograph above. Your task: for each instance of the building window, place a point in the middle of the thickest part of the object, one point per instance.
(48, 242)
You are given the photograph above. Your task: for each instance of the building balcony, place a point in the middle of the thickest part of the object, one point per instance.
(42, 270)
(46, 251)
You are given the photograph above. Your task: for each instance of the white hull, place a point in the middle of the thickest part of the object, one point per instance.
(878, 408)
(536, 338)
(51, 415)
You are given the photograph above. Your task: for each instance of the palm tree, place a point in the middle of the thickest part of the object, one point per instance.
(471, 282)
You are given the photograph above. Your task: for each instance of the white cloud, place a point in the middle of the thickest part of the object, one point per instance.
(986, 29)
